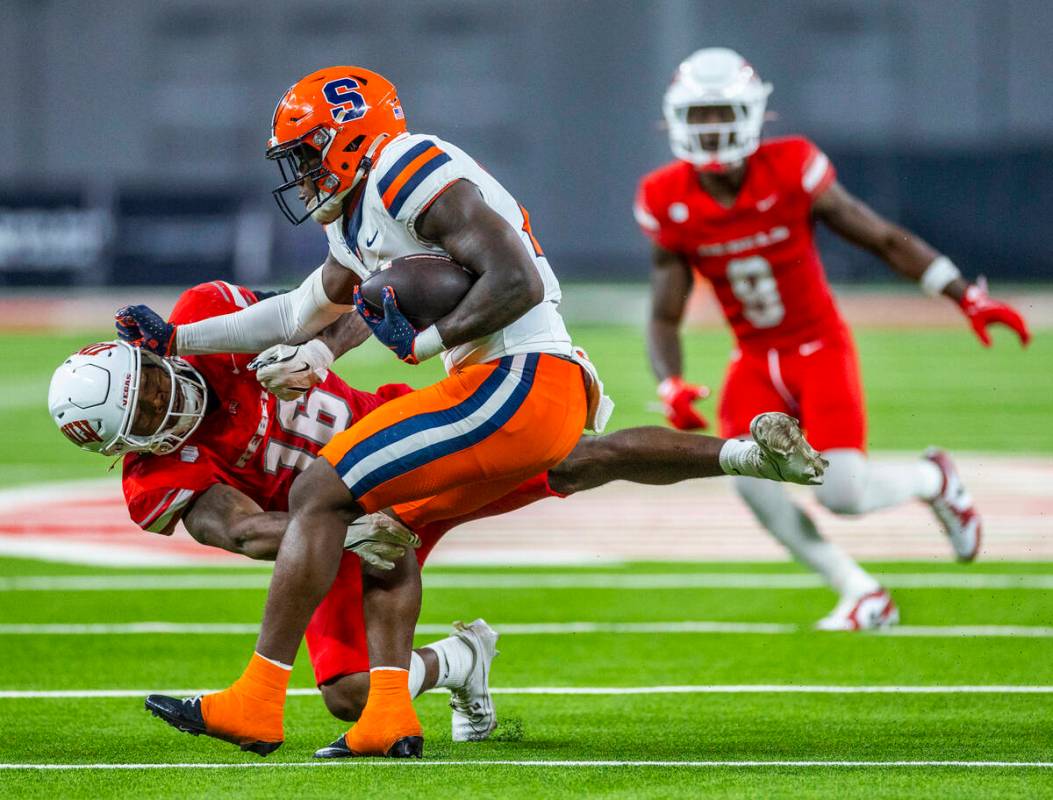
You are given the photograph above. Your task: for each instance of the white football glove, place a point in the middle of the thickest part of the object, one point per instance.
(287, 371)
(379, 540)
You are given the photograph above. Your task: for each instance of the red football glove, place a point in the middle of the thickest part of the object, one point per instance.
(677, 397)
(983, 311)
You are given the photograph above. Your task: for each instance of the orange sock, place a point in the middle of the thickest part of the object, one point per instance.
(251, 709)
(388, 716)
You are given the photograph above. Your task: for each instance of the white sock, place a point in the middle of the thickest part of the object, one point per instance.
(854, 485)
(455, 661)
(738, 456)
(416, 674)
(276, 663)
(794, 529)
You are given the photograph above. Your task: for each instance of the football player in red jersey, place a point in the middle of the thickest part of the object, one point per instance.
(203, 444)
(740, 213)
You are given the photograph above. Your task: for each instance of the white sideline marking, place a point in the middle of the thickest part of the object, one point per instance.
(698, 580)
(101, 694)
(530, 629)
(408, 763)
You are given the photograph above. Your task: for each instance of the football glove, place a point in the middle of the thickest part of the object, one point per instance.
(396, 332)
(141, 326)
(677, 398)
(288, 371)
(380, 541)
(982, 311)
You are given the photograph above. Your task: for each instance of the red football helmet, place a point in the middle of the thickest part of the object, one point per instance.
(328, 128)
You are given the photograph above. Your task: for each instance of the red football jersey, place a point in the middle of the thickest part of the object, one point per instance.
(249, 439)
(759, 254)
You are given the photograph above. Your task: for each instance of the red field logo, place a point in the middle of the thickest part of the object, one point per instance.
(80, 432)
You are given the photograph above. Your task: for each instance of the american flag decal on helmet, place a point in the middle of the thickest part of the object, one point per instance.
(80, 432)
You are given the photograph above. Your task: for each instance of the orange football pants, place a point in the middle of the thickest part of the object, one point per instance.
(472, 437)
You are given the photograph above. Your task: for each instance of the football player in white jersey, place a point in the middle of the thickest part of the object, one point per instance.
(514, 404)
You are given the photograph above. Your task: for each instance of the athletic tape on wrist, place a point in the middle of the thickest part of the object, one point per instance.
(428, 343)
(938, 275)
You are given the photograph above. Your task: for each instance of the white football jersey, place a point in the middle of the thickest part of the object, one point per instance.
(410, 173)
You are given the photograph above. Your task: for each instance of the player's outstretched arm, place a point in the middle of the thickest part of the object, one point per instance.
(228, 519)
(481, 240)
(671, 282)
(913, 258)
(291, 317)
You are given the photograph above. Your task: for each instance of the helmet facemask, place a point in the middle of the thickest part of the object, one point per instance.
(303, 160)
(712, 144)
(185, 407)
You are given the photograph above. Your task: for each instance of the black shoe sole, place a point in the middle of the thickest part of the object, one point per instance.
(195, 728)
(407, 747)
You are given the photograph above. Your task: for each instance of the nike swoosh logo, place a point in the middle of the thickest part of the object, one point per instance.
(767, 202)
(373, 238)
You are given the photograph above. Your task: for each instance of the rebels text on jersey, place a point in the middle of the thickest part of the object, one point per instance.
(759, 254)
(249, 439)
(411, 172)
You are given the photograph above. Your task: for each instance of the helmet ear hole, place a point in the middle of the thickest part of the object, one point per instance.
(354, 144)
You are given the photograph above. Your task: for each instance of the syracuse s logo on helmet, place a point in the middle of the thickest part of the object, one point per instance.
(347, 103)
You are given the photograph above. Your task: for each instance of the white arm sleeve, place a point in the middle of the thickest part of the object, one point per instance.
(288, 318)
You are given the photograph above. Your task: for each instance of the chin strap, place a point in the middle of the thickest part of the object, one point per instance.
(329, 211)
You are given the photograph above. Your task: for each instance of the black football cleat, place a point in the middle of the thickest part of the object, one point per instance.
(185, 715)
(406, 747)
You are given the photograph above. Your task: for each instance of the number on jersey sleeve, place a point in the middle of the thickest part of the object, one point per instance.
(754, 285)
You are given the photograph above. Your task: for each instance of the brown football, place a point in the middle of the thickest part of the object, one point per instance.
(427, 287)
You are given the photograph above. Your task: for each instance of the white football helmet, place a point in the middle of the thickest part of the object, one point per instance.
(94, 399)
(715, 76)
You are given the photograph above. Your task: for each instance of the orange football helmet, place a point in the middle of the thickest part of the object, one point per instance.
(328, 128)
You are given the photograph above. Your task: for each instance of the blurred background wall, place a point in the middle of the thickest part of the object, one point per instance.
(133, 132)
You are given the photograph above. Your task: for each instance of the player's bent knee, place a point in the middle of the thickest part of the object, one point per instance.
(843, 497)
(346, 696)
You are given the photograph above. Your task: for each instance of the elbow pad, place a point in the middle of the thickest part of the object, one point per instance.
(288, 318)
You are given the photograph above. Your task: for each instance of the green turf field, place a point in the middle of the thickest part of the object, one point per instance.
(735, 650)
(923, 387)
(714, 718)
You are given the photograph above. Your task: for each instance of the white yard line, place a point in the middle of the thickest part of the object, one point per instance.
(697, 580)
(409, 763)
(531, 629)
(102, 694)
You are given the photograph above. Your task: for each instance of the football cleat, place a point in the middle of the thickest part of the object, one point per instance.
(473, 717)
(955, 509)
(406, 747)
(785, 454)
(185, 715)
(865, 612)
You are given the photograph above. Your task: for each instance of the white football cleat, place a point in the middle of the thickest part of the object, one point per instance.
(473, 717)
(785, 454)
(955, 509)
(864, 612)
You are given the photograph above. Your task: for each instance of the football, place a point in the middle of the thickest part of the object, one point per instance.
(427, 287)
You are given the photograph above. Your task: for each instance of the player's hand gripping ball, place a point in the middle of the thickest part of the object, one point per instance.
(678, 398)
(392, 329)
(141, 326)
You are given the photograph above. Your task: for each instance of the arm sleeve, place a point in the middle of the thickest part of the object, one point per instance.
(290, 318)
(158, 489)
